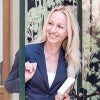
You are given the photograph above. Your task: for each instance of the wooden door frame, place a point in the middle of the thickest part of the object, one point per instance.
(6, 39)
(6, 48)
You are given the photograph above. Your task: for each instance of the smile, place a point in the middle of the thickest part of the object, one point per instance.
(52, 35)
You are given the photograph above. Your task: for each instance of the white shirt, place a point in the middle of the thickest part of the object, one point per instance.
(51, 77)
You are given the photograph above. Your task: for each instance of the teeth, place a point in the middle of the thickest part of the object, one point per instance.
(53, 36)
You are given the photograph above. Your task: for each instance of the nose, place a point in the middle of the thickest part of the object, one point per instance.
(53, 29)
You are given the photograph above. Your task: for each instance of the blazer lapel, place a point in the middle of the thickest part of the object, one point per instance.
(61, 73)
(40, 58)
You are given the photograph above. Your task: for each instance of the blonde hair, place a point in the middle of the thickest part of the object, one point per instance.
(71, 43)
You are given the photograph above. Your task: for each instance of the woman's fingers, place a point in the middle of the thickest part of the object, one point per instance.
(30, 66)
(62, 97)
(34, 66)
(56, 97)
(66, 97)
(27, 66)
(59, 97)
(30, 69)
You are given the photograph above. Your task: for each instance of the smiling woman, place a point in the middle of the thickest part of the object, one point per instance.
(52, 55)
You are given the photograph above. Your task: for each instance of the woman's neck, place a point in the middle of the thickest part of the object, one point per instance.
(51, 49)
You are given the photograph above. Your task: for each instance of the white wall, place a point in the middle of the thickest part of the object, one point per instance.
(14, 36)
(1, 30)
(14, 28)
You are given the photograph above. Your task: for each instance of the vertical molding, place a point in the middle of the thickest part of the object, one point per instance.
(22, 51)
(26, 20)
(6, 48)
(6, 39)
(79, 17)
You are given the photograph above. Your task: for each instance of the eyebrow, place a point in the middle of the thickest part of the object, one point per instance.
(50, 20)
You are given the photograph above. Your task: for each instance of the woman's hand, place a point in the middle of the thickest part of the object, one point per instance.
(30, 69)
(66, 97)
(62, 97)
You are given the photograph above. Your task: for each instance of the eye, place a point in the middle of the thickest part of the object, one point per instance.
(50, 23)
(59, 26)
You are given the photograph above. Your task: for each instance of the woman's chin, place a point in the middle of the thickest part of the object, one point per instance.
(52, 41)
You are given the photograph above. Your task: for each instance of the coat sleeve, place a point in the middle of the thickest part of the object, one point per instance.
(12, 81)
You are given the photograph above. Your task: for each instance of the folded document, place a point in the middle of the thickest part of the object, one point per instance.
(66, 85)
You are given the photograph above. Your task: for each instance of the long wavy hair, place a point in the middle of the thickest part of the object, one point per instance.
(71, 42)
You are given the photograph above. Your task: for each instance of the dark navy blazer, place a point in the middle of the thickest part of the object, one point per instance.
(37, 88)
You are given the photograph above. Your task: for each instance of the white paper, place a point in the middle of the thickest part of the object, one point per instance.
(66, 85)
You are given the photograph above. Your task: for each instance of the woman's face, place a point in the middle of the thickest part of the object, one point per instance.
(56, 29)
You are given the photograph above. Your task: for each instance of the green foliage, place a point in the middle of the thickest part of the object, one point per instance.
(35, 20)
(90, 48)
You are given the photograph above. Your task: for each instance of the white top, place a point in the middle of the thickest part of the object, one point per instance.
(51, 77)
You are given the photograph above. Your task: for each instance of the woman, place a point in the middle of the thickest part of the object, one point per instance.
(50, 62)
